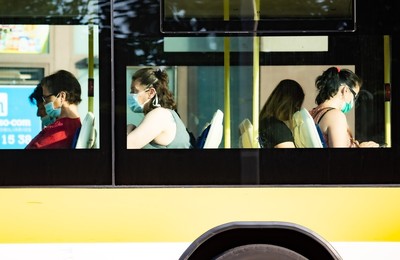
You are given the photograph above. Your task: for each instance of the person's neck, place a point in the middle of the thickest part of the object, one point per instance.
(333, 102)
(69, 110)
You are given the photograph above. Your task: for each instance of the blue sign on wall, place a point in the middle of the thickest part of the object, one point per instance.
(18, 120)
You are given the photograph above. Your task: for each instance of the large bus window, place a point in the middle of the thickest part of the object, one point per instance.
(205, 60)
(50, 36)
(43, 46)
(205, 93)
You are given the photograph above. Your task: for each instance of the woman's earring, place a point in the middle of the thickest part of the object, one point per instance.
(155, 101)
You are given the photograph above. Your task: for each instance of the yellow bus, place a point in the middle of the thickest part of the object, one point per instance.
(110, 202)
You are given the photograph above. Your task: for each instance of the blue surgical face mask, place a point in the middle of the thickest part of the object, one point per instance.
(133, 103)
(347, 106)
(51, 111)
(47, 120)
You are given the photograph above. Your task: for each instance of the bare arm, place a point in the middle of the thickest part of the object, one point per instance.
(156, 125)
(368, 144)
(285, 145)
(335, 124)
(130, 128)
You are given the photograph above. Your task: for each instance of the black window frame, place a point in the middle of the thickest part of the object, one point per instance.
(112, 165)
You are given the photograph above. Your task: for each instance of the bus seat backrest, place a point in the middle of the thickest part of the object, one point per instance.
(321, 136)
(212, 134)
(76, 135)
(305, 132)
(87, 134)
(201, 140)
(246, 139)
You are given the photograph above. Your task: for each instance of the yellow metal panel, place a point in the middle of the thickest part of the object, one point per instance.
(40, 215)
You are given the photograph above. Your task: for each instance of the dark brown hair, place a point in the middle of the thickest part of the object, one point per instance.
(158, 79)
(329, 82)
(65, 81)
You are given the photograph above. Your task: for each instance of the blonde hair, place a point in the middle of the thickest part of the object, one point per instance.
(284, 101)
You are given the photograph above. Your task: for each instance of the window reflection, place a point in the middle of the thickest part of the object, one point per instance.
(257, 16)
(79, 10)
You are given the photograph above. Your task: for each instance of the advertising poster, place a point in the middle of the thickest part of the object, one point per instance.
(18, 120)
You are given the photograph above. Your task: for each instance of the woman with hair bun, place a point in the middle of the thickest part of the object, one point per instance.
(337, 93)
(161, 126)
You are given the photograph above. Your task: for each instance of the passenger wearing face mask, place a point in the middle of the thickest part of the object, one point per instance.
(36, 99)
(161, 126)
(337, 93)
(61, 96)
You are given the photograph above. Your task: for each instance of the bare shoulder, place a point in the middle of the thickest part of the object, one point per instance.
(335, 114)
(333, 119)
(158, 116)
(159, 112)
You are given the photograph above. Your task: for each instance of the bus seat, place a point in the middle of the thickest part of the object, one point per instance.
(305, 132)
(211, 136)
(87, 134)
(246, 139)
(321, 136)
(76, 135)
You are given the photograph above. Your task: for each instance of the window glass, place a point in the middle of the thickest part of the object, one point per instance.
(39, 38)
(235, 72)
(73, 58)
(204, 86)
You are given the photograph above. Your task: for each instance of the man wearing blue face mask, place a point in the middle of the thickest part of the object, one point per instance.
(36, 99)
(337, 92)
(61, 97)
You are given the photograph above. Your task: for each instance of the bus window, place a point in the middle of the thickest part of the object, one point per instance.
(204, 85)
(49, 36)
(42, 46)
(236, 72)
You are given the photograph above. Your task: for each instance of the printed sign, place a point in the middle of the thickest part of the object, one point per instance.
(18, 120)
